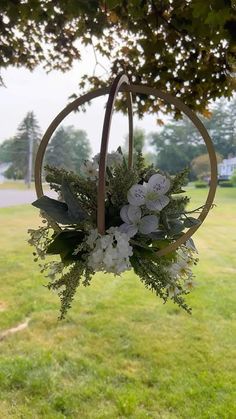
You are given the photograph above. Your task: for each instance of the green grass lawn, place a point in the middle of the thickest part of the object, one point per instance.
(120, 353)
(17, 184)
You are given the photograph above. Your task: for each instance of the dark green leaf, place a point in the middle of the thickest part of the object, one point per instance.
(191, 222)
(75, 211)
(58, 211)
(64, 244)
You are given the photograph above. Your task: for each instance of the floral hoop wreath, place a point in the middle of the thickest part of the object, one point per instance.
(121, 84)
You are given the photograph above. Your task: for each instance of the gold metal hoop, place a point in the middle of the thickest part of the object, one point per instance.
(168, 98)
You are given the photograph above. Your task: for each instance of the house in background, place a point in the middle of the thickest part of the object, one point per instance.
(226, 168)
(3, 168)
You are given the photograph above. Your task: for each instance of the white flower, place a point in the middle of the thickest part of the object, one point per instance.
(173, 290)
(151, 194)
(189, 283)
(93, 235)
(110, 252)
(191, 246)
(133, 222)
(54, 269)
(89, 169)
(181, 267)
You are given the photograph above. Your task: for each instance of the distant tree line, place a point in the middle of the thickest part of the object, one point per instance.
(176, 146)
(68, 148)
(179, 144)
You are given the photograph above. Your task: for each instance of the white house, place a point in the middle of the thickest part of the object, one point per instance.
(3, 168)
(227, 167)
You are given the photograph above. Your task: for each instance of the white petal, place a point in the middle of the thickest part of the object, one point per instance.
(159, 184)
(148, 224)
(134, 213)
(158, 204)
(124, 214)
(128, 229)
(136, 195)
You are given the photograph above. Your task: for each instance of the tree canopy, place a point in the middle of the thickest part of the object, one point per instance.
(68, 149)
(17, 150)
(187, 47)
(179, 143)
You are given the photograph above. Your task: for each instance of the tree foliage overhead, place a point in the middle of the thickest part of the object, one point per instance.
(187, 47)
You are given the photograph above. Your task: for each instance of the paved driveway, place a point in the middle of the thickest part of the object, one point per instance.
(9, 197)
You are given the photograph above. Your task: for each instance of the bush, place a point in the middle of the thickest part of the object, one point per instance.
(233, 178)
(200, 184)
(226, 184)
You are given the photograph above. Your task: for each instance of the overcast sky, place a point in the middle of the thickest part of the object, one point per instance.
(47, 94)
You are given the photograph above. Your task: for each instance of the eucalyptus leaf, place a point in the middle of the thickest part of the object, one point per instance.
(157, 235)
(176, 226)
(58, 211)
(74, 209)
(69, 212)
(191, 222)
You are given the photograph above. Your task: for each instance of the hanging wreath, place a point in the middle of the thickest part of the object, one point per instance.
(119, 214)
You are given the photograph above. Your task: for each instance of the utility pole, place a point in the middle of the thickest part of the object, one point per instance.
(30, 159)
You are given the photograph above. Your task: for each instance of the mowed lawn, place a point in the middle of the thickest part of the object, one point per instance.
(120, 353)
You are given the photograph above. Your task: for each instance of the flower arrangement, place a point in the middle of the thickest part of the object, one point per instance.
(145, 210)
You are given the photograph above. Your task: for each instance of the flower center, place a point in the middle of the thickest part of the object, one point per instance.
(152, 195)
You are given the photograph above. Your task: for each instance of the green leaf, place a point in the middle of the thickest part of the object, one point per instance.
(191, 222)
(176, 226)
(68, 212)
(64, 244)
(58, 211)
(158, 235)
(74, 209)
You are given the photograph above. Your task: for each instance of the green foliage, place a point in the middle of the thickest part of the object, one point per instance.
(84, 189)
(138, 138)
(226, 184)
(69, 283)
(201, 166)
(18, 147)
(221, 127)
(176, 146)
(181, 46)
(6, 149)
(200, 184)
(233, 178)
(179, 144)
(68, 149)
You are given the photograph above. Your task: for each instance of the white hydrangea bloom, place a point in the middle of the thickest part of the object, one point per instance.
(93, 235)
(151, 194)
(133, 222)
(110, 252)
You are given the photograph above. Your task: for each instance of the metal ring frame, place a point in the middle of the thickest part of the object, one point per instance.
(121, 84)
